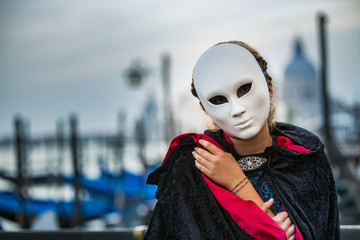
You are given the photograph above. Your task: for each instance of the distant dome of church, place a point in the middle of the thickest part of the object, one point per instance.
(300, 92)
(299, 66)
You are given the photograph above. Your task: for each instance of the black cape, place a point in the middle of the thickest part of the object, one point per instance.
(304, 183)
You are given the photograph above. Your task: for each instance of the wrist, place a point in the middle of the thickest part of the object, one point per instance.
(238, 185)
(238, 176)
(238, 182)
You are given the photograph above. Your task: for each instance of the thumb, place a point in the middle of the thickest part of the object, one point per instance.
(266, 205)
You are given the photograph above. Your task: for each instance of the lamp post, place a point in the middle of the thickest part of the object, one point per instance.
(135, 75)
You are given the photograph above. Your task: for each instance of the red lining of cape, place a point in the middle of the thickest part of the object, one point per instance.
(245, 213)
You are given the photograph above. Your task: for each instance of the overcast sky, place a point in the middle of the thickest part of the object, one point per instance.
(64, 56)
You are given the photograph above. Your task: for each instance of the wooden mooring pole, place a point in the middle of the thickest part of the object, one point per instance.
(74, 145)
(21, 164)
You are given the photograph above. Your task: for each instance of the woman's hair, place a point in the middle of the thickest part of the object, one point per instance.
(263, 65)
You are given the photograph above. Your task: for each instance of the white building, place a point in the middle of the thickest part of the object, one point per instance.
(301, 91)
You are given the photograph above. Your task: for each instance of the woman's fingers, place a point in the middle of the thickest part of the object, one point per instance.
(210, 147)
(201, 167)
(267, 205)
(201, 163)
(290, 233)
(204, 154)
(286, 225)
(283, 220)
(280, 217)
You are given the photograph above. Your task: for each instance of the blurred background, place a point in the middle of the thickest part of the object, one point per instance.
(91, 93)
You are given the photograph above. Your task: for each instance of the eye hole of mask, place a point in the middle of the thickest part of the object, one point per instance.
(243, 90)
(217, 100)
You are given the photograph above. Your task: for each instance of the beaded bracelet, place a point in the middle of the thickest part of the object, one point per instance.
(242, 187)
(238, 184)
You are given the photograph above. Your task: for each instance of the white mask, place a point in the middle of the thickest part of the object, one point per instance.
(233, 90)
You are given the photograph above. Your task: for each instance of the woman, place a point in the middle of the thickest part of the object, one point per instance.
(247, 177)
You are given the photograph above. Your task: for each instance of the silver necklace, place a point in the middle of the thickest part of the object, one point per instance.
(249, 163)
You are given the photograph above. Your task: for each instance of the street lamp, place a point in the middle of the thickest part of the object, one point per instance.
(136, 73)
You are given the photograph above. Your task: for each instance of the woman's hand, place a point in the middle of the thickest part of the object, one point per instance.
(219, 166)
(282, 219)
(285, 223)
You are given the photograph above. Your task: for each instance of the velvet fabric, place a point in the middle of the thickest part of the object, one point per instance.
(187, 209)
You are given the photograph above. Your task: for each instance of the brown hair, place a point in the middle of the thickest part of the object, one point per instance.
(263, 65)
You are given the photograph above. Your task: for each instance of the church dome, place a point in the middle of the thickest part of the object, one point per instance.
(300, 92)
(299, 66)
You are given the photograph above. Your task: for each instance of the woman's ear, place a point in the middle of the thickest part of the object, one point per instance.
(270, 87)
